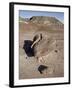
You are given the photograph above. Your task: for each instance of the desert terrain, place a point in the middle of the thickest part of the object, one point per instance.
(51, 29)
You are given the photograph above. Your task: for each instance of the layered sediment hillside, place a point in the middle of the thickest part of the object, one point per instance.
(45, 20)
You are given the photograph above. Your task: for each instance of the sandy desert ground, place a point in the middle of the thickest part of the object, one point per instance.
(28, 66)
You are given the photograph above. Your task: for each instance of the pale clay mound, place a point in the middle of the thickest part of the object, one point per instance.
(28, 66)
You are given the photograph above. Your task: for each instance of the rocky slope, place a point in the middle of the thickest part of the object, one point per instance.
(45, 20)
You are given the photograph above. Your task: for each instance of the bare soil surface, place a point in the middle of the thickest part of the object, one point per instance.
(54, 60)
